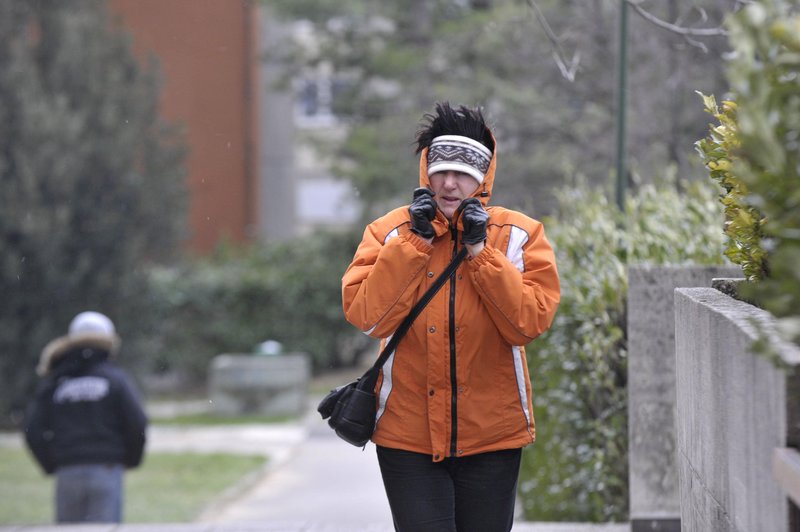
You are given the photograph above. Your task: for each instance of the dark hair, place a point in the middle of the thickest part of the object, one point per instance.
(448, 121)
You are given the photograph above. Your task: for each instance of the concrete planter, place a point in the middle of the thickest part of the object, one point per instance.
(735, 409)
(266, 385)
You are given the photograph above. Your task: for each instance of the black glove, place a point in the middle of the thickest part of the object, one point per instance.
(474, 219)
(423, 210)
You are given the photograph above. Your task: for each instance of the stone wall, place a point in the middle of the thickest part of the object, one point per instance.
(654, 498)
(733, 411)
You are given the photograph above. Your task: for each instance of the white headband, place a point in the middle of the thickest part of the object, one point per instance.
(458, 153)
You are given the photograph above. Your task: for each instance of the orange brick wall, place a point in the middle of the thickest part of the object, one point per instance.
(207, 53)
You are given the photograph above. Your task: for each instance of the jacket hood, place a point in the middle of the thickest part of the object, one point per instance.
(63, 345)
(483, 192)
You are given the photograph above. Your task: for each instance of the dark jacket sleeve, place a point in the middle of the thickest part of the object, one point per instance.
(135, 422)
(38, 433)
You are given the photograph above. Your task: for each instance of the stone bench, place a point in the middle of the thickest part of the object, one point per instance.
(269, 385)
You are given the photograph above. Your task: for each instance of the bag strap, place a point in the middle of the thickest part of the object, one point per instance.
(391, 345)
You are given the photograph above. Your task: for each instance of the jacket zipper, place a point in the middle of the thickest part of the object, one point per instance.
(452, 333)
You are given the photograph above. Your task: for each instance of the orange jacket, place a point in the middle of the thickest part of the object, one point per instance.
(458, 383)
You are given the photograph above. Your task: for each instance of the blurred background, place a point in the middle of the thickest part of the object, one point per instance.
(201, 172)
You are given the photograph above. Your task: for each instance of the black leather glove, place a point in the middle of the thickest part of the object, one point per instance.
(474, 219)
(423, 210)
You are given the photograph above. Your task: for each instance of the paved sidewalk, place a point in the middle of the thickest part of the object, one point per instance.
(326, 485)
(324, 481)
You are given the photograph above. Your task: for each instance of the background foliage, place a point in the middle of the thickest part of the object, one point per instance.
(240, 297)
(765, 79)
(763, 165)
(91, 179)
(578, 469)
(389, 61)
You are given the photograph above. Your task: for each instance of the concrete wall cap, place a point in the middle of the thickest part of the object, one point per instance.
(745, 316)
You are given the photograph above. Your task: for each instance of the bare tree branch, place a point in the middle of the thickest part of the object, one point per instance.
(696, 44)
(674, 28)
(567, 67)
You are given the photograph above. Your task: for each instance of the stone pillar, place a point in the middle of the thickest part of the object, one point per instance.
(654, 500)
(277, 184)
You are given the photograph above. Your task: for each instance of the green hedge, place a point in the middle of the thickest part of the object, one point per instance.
(242, 296)
(578, 469)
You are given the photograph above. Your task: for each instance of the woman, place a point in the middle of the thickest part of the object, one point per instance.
(455, 401)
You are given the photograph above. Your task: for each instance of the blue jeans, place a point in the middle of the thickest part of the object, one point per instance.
(471, 493)
(89, 493)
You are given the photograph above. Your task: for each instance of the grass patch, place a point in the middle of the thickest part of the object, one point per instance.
(26, 495)
(174, 488)
(167, 488)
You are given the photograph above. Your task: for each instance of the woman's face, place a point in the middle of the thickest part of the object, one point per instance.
(450, 189)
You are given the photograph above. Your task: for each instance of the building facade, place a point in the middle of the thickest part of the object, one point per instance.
(208, 53)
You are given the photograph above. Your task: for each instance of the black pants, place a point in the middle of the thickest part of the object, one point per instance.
(470, 493)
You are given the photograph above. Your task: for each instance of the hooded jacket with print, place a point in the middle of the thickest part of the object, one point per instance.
(87, 410)
(458, 382)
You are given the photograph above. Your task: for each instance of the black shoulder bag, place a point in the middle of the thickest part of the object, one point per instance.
(353, 406)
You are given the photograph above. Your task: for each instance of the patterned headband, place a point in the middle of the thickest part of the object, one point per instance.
(461, 154)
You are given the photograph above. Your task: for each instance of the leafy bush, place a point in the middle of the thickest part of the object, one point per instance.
(578, 469)
(743, 222)
(765, 79)
(240, 297)
(764, 73)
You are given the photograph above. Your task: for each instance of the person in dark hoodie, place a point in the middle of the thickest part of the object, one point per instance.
(86, 424)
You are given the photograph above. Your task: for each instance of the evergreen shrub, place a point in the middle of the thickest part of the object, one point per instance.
(243, 295)
(578, 468)
(91, 184)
